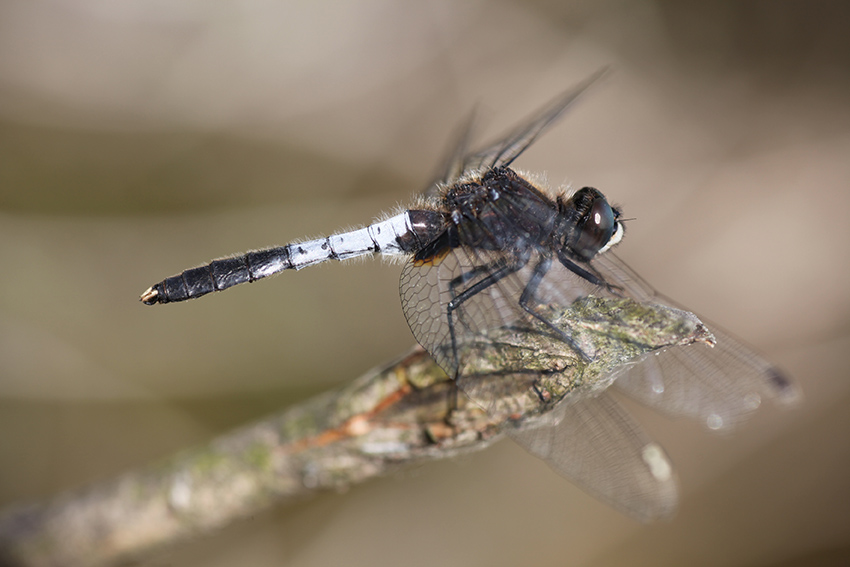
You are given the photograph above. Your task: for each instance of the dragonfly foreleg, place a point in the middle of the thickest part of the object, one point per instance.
(588, 274)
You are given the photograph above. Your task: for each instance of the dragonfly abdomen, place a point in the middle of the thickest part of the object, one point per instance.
(395, 235)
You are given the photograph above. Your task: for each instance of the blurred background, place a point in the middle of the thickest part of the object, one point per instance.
(138, 139)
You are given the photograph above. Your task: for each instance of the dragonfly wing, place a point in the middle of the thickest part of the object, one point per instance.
(720, 385)
(428, 288)
(505, 151)
(453, 163)
(599, 446)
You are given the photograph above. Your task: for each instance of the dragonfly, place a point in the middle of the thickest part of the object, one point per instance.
(489, 247)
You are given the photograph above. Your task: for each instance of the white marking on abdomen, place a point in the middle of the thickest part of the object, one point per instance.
(385, 233)
(303, 254)
(380, 237)
(351, 244)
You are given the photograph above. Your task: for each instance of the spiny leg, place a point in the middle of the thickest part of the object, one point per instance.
(476, 288)
(468, 275)
(528, 294)
(588, 274)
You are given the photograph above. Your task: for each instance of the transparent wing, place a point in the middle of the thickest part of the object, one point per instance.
(720, 385)
(485, 288)
(452, 166)
(508, 148)
(598, 446)
(590, 440)
(428, 289)
(493, 347)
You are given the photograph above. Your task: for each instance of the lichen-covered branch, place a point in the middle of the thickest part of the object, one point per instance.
(403, 413)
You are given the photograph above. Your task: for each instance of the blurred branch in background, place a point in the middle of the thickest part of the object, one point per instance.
(404, 413)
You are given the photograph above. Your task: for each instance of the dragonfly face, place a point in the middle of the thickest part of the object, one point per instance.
(597, 228)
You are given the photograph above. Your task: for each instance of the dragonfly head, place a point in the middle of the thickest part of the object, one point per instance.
(596, 226)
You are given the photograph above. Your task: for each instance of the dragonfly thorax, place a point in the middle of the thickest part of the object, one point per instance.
(500, 210)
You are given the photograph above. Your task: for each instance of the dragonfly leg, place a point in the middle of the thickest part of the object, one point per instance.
(588, 273)
(469, 275)
(542, 395)
(496, 271)
(528, 295)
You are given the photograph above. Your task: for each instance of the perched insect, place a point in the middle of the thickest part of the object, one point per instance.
(489, 248)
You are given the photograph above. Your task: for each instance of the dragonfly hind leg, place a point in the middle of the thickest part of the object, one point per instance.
(496, 271)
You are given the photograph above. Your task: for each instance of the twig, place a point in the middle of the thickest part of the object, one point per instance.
(406, 412)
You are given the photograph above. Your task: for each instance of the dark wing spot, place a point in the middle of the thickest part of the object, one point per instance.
(782, 384)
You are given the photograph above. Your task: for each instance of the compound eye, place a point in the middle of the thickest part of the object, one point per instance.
(595, 229)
